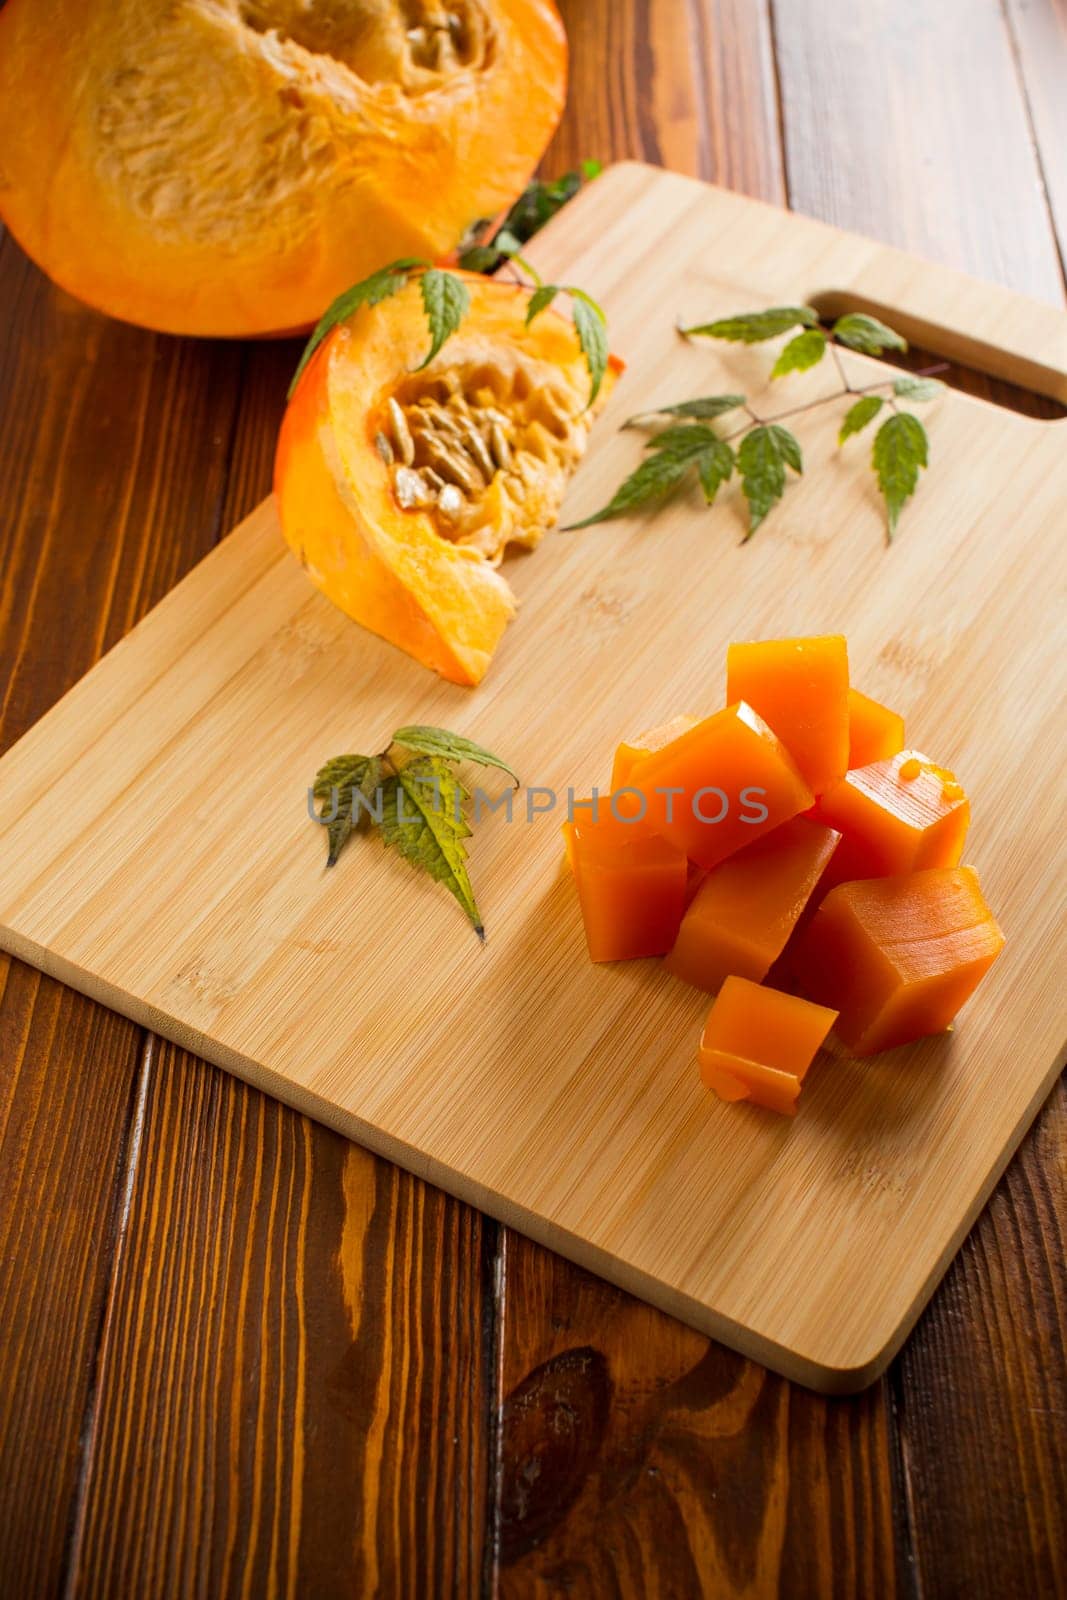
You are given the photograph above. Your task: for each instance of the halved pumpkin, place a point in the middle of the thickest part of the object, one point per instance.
(400, 489)
(229, 166)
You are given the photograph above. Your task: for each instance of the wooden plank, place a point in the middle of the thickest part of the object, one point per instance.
(1039, 28)
(82, 555)
(638, 1458)
(885, 133)
(981, 1392)
(687, 84)
(292, 1379)
(63, 1131)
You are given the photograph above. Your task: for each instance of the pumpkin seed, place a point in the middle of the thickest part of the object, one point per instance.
(401, 433)
(476, 448)
(453, 466)
(450, 501)
(412, 491)
(498, 446)
(384, 449)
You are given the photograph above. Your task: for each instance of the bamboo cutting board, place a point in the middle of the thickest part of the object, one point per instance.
(156, 853)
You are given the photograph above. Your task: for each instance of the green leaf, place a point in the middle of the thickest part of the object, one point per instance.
(858, 416)
(752, 327)
(423, 817)
(508, 243)
(429, 741)
(867, 334)
(671, 455)
(370, 292)
(715, 467)
(918, 388)
(348, 776)
(901, 450)
(480, 258)
(802, 352)
(540, 300)
(654, 479)
(762, 459)
(446, 301)
(538, 204)
(591, 327)
(708, 407)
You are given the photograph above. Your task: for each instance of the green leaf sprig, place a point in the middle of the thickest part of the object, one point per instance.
(680, 452)
(538, 204)
(446, 301)
(412, 793)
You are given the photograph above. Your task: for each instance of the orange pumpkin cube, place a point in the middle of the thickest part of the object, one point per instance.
(874, 732)
(745, 910)
(897, 957)
(800, 688)
(631, 751)
(719, 785)
(631, 890)
(759, 1043)
(895, 816)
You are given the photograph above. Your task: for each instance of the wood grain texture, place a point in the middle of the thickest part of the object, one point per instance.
(68, 1071)
(638, 1458)
(224, 942)
(82, 555)
(1039, 30)
(688, 84)
(981, 1392)
(980, 1438)
(907, 121)
(274, 1415)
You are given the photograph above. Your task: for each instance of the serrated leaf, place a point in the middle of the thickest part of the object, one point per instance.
(446, 301)
(654, 479)
(508, 243)
(591, 327)
(429, 741)
(909, 388)
(715, 467)
(901, 449)
(345, 776)
(540, 300)
(706, 408)
(762, 458)
(423, 818)
(369, 292)
(480, 258)
(537, 204)
(752, 327)
(685, 440)
(867, 334)
(789, 445)
(806, 350)
(858, 416)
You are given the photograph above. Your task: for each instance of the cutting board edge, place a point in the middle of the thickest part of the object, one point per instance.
(925, 294)
(824, 1376)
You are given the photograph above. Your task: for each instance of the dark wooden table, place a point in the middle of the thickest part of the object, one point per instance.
(239, 1356)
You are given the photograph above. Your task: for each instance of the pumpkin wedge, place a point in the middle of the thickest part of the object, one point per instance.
(400, 486)
(228, 167)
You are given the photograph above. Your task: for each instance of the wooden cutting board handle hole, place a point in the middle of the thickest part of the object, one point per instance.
(1003, 376)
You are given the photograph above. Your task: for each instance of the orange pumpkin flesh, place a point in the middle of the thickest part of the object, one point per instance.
(388, 478)
(228, 167)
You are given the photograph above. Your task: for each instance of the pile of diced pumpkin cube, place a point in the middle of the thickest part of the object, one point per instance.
(792, 837)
